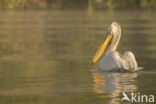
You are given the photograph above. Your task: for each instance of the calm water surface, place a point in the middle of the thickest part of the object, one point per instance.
(45, 56)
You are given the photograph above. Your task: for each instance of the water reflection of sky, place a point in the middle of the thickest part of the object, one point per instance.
(49, 53)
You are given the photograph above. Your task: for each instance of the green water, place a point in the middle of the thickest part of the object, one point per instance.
(45, 56)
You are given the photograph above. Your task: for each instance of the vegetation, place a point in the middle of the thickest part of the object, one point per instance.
(77, 4)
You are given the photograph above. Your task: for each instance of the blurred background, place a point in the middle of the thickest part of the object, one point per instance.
(47, 46)
(78, 4)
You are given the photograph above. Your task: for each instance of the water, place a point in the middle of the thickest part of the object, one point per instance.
(45, 56)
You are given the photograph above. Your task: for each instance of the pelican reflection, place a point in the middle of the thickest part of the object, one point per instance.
(113, 84)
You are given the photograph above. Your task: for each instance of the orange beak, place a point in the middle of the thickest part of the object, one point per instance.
(102, 48)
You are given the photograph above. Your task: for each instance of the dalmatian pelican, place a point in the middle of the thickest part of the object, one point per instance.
(113, 60)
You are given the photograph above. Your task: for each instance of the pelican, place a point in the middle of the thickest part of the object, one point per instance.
(112, 60)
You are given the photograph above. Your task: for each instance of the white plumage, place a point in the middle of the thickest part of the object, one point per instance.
(113, 60)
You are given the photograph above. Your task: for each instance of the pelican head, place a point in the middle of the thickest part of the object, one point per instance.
(111, 40)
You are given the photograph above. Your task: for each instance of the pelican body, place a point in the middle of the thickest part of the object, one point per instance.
(113, 60)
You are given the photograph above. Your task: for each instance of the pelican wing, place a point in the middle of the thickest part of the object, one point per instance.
(130, 62)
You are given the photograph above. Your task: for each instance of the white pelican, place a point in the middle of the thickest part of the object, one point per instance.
(113, 60)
